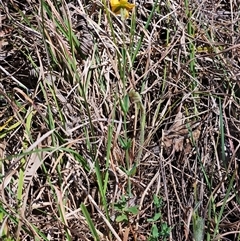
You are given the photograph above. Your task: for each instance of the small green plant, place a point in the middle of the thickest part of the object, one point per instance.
(124, 211)
(125, 143)
(159, 229)
(198, 221)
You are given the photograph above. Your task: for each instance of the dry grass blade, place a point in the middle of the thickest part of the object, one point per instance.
(119, 128)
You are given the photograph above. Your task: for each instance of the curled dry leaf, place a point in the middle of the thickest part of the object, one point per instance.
(178, 137)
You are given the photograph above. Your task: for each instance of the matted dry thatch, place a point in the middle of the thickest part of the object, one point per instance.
(64, 83)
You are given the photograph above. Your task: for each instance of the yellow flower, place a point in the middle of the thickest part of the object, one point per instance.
(119, 6)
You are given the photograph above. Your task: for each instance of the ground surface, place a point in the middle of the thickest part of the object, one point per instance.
(119, 129)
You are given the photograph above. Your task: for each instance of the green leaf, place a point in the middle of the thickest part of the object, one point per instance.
(90, 222)
(125, 143)
(122, 218)
(133, 210)
(198, 228)
(165, 230)
(125, 104)
(118, 207)
(156, 217)
(133, 170)
(155, 233)
(121, 204)
(157, 201)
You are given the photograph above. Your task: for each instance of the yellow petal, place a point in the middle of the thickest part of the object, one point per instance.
(117, 5)
(129, 6)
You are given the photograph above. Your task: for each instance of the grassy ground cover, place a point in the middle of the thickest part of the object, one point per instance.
(119, 125)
